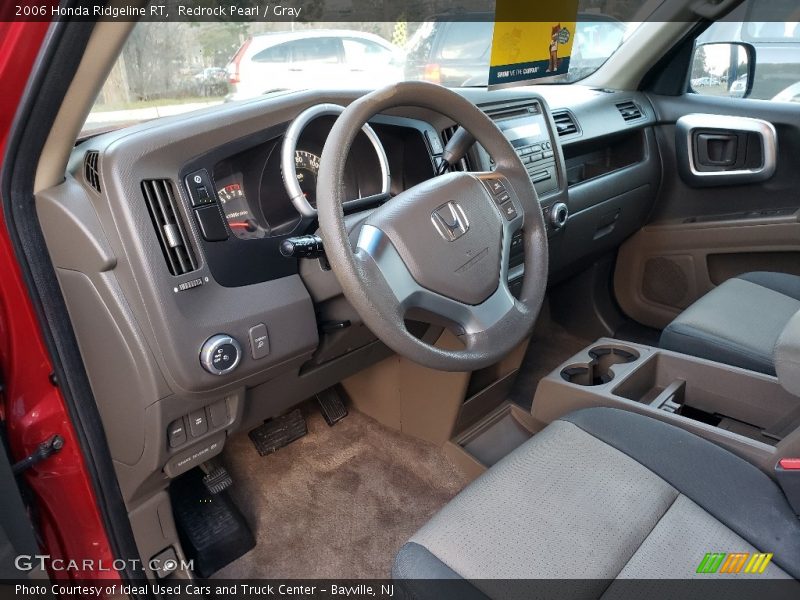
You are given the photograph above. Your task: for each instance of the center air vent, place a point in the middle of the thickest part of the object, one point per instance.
(463, 164)
(565, 123)
(91, 172)
(160, 197)
(629, 110)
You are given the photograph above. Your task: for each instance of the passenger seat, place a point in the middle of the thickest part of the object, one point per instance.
(738, 322)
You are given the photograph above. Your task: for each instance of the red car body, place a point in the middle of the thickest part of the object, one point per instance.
(68, 521)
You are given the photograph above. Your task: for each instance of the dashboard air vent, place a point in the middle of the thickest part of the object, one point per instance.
(160, 197)
(91, 172)
(463, 164)
(565, 123)
(629, 110)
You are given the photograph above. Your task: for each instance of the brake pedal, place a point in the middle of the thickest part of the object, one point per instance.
(332, 405)
(278, 432)
(216, 478)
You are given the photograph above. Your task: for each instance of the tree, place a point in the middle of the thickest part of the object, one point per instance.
(157, 56)
(699, 68)
(219, 41)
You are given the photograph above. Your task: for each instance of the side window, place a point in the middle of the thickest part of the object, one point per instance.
(777, 47)
(721, 63)
(277, 54)
(317, 50)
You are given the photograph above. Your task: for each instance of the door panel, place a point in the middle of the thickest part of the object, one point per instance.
(702, 233)
(666, 266)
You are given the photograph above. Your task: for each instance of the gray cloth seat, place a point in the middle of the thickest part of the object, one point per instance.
(738, 322)
(603, 496)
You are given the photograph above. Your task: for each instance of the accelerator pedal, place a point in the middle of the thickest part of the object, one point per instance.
(216, 477)
(278, 432)
(332, 405)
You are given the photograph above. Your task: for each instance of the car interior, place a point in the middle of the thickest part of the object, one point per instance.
(429, 333)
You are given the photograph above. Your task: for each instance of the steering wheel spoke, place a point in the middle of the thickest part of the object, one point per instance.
(376, 253)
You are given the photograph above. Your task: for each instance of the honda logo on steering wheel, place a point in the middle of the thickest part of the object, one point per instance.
(450, 221)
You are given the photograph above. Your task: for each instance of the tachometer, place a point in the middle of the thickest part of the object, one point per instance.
(237, 212)
(306, 166)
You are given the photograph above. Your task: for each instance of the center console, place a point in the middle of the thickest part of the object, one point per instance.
(749, 413)
(528, 127)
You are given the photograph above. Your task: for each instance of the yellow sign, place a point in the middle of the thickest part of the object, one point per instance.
(528, 43)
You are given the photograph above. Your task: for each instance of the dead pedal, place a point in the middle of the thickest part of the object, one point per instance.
(278, 432)
(332, 405)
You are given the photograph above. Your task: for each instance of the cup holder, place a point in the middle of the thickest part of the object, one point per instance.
(598, 370)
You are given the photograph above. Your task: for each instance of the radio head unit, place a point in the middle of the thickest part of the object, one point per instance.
(526, 128)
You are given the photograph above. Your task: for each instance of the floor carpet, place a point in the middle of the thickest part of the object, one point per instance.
(337, 503)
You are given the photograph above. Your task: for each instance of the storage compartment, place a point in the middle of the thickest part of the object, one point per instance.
(498, 434)
(722, 267)
(729, 399)
(595, 230)
(598, 371)
(600, 157)
(743, 411)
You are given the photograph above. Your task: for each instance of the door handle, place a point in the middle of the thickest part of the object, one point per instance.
(717, 149)
(714, 150)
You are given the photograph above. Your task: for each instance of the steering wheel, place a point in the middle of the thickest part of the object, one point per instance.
(441, 248)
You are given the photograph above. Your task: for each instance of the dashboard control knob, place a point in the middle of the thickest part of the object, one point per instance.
(558, 215)
(220, 354)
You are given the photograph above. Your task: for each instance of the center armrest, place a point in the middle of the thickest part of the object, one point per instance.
(787, 356)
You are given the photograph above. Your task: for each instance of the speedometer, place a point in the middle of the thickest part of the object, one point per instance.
(306, 166)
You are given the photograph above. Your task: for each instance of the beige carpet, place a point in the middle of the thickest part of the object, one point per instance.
(337, 503)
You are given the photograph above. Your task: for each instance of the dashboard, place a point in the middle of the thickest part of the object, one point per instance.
(166, 235)
(241, 200)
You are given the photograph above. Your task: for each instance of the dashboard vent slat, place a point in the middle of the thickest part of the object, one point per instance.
(162, 205)
(91, 172)
(463, 164)
(629, 110)
(565, 123)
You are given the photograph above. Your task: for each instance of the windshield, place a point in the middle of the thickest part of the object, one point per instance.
(167, 68)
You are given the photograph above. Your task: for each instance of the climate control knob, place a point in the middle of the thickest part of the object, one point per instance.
(559, 214)
(220, 354)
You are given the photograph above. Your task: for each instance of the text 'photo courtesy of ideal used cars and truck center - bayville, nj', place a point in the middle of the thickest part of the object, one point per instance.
(417, 299)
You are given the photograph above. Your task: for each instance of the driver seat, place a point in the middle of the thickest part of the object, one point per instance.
(601, 495)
